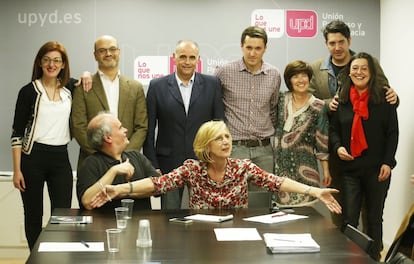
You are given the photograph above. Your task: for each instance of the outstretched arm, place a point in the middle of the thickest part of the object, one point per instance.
(136, 189)
(324, 195)
(88, 197)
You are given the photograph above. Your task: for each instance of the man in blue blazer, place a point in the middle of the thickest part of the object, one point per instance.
(179, 103)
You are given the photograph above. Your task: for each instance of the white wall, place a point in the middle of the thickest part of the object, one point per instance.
(397, 57)
(143, 36)
(13, 242)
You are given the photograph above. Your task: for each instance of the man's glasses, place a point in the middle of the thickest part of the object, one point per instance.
(56, 61)
(103, 51)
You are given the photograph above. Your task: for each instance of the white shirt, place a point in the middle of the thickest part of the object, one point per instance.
(185, 91)
(52, 127)
(112, 92)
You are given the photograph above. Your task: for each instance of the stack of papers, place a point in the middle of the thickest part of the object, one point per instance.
(290, 243)
(67, 219)
(210, 218)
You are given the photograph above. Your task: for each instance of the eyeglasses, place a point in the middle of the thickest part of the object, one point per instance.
(47, 60)
(103, 51)
(220, 139)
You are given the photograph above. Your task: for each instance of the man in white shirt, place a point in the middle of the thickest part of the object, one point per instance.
(111, 92)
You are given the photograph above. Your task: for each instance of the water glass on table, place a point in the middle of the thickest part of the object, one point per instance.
(113, 236)
(121, 214)
(128, 203)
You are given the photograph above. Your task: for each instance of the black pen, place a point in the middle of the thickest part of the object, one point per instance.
(84, 243)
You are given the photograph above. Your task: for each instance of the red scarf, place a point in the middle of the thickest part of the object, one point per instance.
(360, 107)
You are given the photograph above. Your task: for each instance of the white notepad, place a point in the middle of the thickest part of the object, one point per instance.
(290, 243)
(273, 218)
(68, 219)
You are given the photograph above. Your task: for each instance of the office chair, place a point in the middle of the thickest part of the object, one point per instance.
(400, 258)
(404, 239)
(259, 199)
(361, 239)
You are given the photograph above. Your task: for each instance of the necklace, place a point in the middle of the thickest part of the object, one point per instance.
(297, 106)
(47, 93)
(48, 96)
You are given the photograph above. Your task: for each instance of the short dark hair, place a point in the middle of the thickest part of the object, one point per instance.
(336, 26)
(294, 68)
(254, 32)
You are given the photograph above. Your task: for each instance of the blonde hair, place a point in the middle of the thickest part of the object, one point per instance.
(205, 134)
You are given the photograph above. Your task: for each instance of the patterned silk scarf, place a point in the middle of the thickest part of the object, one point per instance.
(360, 107)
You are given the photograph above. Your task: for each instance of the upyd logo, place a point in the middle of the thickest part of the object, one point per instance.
(42, 19)
(301, 23)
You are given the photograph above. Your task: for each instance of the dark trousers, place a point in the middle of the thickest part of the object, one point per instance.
(360, 186)
(337, 219)
(172, 199)
(48, 164)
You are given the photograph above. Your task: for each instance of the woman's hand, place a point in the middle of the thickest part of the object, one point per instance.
(18, 181)
(390, 95)
(327, 179)
(333, 105)
(343, 154)
(86, 81)
(325, 196)
(385, 172)
(107, 194)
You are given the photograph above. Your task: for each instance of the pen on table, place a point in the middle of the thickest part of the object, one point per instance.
(279, 214)
(287, 240)
(84, 243)
(103, 189)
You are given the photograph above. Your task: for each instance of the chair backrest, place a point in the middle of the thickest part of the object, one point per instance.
(404, 238)
(259, 199)
(400, 258)
(361, 239)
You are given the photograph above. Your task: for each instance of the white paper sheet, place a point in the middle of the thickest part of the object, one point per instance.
(275, 218)
(237, 234)
(210, 218)
(71, 247)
